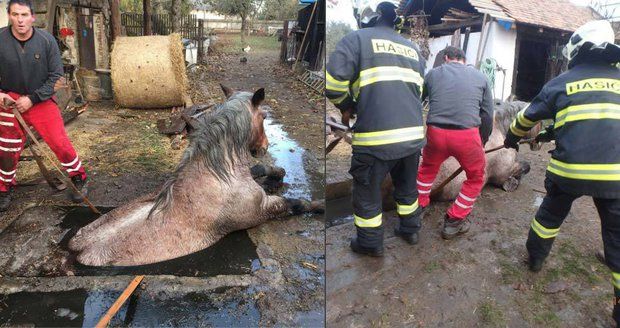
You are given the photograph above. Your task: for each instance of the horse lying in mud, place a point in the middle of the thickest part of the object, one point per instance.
(211, 194)
(503, 168)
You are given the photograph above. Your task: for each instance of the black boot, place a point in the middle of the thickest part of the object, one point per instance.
(535, 264)
(81, 185)
(453, 228)
(411, 238)
(5, 200)
(357, 248)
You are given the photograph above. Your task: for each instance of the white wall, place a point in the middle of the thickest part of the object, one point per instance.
(4, 18)
(500, 46)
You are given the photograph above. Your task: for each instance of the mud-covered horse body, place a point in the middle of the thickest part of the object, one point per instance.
(211, 193)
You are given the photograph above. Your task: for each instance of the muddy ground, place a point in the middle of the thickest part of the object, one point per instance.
(271, 274)
(478, 280)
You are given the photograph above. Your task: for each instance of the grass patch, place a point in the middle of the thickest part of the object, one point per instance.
(257, 43)
(491, 314)
(548, 319)
(510, 272)
(430, 267)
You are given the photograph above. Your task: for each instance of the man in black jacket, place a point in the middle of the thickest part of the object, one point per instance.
(30, 66)
(584, 103)
(377, 74)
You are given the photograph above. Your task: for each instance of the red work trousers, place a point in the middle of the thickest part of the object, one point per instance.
(45, 118)
(466, 147)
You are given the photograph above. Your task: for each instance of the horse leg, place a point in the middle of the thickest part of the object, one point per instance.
(268, 177)
(278, 207)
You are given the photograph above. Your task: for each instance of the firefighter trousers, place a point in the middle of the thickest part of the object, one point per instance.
(555, 207)
(368, 174)
(45, 118)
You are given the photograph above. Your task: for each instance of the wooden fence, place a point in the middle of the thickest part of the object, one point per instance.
(190, 27)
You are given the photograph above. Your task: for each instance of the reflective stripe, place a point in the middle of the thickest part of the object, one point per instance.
(336, 85)
(355, 88)
(6, 123)
(6, 180)
(390, 73)
(467, 198)
(588, 85)
(406, 209)
(7, 114)
(72, 162)
(424, 184)
(7, 173)
(11, 140)
(388, 136)
(598, 172)
(424, 191)
(523, 120)
(75, 169)
(461, 204)
(368, 223)
(10, 149)
(339, 100)
(615, 279)
(516, 131)
(543, 232)
(587, 112)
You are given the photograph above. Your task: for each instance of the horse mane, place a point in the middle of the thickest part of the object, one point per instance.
(505, 113)
(219, 141)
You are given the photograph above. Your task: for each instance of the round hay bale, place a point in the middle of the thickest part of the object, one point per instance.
(149, 72)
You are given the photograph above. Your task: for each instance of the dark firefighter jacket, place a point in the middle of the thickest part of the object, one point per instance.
(379, 75)
(584, 102)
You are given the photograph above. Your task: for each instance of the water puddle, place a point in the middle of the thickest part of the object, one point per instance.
(81, 308)
(338, 211)
(301, 178)
(233, 254)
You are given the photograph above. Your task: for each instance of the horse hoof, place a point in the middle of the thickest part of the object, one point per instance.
(511, 184)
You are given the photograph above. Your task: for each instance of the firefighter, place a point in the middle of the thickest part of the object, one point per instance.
(30, 66)
(377, 75)
(584, 103)
(459, 123)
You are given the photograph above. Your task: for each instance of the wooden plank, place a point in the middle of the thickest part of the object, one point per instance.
(453, 26)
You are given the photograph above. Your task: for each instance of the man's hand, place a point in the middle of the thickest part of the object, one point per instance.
(5, 99)
(23, 104)
(511, 141)
(61, 83)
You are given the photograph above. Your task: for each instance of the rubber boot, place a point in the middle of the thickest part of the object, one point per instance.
(453, 228)
(82, 186)
(357, 248)
(411, 238)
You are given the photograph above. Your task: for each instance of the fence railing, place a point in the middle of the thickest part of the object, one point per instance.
(190, 27)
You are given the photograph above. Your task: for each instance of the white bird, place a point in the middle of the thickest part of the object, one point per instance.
(247, 49)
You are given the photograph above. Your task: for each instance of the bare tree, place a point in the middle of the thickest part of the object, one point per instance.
(241, 8)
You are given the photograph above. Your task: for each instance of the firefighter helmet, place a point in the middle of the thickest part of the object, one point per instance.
(593, 34)
(367, 12)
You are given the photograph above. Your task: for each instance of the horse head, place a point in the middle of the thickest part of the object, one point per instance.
(258, 142)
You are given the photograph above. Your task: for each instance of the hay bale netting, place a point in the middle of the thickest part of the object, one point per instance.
(149, 72)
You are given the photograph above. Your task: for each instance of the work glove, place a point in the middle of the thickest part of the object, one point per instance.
(511, 141)
(546, 135)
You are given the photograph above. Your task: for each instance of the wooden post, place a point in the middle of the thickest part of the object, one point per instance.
(201, 45)
(115, 19)
(146, 9)
(284, 44)
(486, 24)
